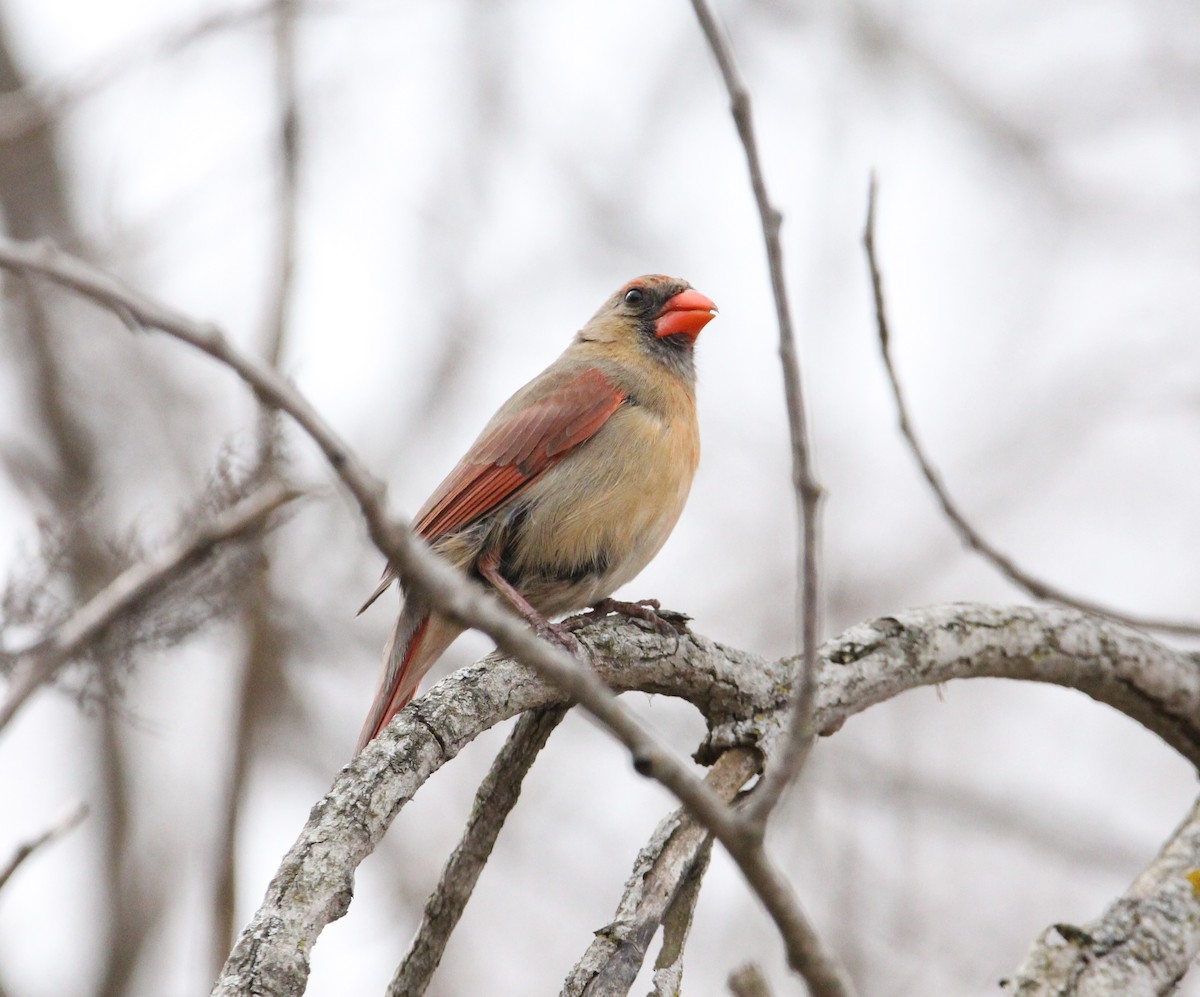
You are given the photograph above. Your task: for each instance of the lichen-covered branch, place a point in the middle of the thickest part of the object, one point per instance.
(1112, 663)
(745, 699)
(677, 926)
(315, 881)
(1141, 946)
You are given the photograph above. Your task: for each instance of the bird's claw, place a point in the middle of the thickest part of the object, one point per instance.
(560, 635)
(666, 622)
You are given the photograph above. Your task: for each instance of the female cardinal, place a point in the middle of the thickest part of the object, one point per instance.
(575, 483)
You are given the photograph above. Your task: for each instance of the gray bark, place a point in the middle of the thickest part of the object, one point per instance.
(745, 699)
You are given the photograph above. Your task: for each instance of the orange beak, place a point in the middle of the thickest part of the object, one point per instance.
(684, 314)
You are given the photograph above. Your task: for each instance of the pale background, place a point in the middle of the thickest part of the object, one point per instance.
(475, 179)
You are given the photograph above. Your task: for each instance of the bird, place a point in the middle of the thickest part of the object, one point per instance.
(572, 487)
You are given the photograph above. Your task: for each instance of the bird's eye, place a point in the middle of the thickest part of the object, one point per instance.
(634, 296)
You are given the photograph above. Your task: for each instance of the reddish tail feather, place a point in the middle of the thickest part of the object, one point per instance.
(399, 684)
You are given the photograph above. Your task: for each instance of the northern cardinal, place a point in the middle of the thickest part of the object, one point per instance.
(575, 483)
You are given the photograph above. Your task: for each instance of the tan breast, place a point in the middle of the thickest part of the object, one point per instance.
(614, 501)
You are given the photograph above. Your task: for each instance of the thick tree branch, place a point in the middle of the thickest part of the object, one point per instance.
(971, 537)
(746, 700)
(131, 588)
(314, 884)
(784, 771)
(1141, 946)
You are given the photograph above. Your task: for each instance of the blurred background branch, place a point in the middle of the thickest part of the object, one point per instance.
(64, 825)
(133, 592)
(268, 644)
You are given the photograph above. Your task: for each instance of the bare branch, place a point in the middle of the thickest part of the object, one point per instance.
(784, 771)
(739, 693)
(971, 537)
(68, 822)
(806, 954)
(619, 948)
(494, 801)
(131, 588)
(1141, 946)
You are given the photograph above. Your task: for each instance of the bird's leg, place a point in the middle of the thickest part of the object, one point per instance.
(489, 568)
(665, 621)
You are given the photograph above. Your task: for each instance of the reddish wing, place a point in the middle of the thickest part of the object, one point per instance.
(512, 455)
(518, 450)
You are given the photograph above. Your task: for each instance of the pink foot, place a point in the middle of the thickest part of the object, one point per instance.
(664, 621)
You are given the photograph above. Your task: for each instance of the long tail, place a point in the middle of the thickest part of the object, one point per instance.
(418, 640)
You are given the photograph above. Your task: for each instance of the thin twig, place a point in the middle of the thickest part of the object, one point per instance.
(1036, 587)
(466, 601)
(63, 825)
(783, 772)
(132, 587)
(494, 801)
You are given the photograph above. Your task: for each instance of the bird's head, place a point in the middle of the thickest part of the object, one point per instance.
(665, 308)
(661, 315)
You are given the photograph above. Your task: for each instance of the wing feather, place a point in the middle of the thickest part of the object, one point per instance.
(516, 451)
(512, 453)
